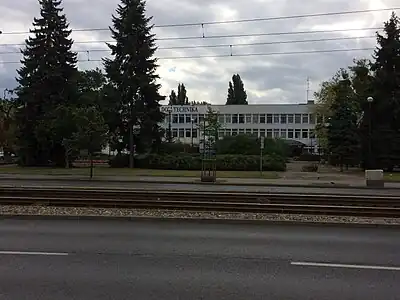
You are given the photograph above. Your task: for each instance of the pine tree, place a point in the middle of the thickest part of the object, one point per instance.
(385, 109)
(182, 97)
(173, 99)
(236, 93)
(133, 73)
(46, 88)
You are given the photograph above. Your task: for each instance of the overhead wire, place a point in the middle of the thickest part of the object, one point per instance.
(227, 45)
(228, 35)
(300, 16)
(231, 55)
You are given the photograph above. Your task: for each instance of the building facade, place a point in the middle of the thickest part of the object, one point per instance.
(294, 122)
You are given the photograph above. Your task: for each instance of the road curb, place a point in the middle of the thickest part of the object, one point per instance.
(196, 182)
(196, 220)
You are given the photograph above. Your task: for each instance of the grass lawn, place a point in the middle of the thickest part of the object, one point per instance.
(105, 171)
(392, 176)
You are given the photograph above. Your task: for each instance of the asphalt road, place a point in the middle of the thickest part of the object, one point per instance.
(194, 187)
(143, 260)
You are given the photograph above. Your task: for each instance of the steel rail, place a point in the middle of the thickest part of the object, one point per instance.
(349, 205)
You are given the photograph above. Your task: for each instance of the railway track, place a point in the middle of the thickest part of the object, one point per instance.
(343, 205)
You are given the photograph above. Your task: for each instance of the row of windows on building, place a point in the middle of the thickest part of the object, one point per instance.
(270, 133)
(246, 118)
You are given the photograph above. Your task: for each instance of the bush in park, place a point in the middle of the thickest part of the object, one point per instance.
(250, 145)
(191, 162)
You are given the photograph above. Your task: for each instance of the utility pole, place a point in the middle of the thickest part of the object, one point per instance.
(308, 89)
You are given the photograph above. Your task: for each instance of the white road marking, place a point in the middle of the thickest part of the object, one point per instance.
(33, 253)
(349, 266)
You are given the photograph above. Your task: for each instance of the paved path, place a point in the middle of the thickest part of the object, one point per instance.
(185, 260)
(354, 183)
(196, 187)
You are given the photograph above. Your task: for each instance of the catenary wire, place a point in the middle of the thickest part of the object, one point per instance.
(228, 36)
(237, 21)
(232, 55)
(229, 45)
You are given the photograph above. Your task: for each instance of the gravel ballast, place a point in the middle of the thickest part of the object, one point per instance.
(37, 210)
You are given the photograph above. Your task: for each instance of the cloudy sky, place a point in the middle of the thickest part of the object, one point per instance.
(272, 78)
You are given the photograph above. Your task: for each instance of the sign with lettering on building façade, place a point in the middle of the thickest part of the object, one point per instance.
(179, 109)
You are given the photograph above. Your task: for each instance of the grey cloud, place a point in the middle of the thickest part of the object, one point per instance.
(274, 77)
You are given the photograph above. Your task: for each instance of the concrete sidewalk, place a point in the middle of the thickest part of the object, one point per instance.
(354, 183)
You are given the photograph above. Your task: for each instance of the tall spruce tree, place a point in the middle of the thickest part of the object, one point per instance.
(46, 88)
(182, 98)
(385, 109)
(132, 72)
(236, 93)
(173, 99)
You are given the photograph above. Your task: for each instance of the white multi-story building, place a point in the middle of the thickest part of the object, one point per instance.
(294, 122)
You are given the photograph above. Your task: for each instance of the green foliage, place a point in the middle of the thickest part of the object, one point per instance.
(385, 117)
(210, 127)
(46, 87)
(132, 73)
(191, 162)
(249, 145)
(236, 93)
(173, 99)
(176, 148)
(310, 168)
(182, 98)
(7, 126)
(343, 135)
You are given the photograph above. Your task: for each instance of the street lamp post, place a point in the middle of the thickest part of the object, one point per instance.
(369, 100)
(191, 134)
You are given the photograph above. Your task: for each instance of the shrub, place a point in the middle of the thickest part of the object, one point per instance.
(309, 157)
(310, 168)
(250, 145)
(175, 148)
(194, 162)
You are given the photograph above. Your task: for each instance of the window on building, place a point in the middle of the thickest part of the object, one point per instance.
(283, 133)
(221, 133)
(248, 131)
(290, 119)
(221, 119)
(297, 118)
(174, 119)
(255, 132)
(181, 132)
(305, 119)
(235, 119)
(290, 133)
(269, 133)
(201, 118)
(228, 119)
(234, 132)
(297, 133)
(312, 119)
(195, 119)
(312, 134)
(248, 119)
(228, 132)
(188, 133)
(283, 119)
(256, 118)
(175, 133)
(269, 119)
(304, 134)
(276, 133)
(262, 119)
(241, 119)
(262, 132)
(189, 119)
(181, 119)
(241, 131)
(276, 119)
(194, 133)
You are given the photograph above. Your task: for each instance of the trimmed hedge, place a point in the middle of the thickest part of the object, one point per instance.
(191, 162)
